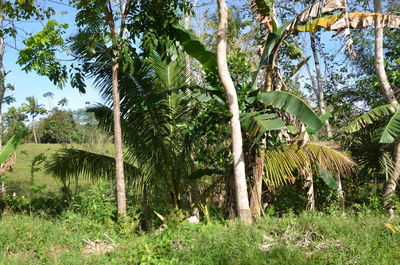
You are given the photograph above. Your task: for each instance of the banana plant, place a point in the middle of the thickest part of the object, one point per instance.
(11, 145)
(390, 130)
(5, 153)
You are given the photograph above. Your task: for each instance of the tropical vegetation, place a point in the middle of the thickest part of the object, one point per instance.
(241, 127)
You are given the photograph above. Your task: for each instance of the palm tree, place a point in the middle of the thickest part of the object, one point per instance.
(153, 102)
(33, 108)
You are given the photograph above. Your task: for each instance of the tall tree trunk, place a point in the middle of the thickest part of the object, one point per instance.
(2, 74)
(119, 160)
(242, 198)
(34, 131)
(320, 88)
(390, 97)
(256, 189)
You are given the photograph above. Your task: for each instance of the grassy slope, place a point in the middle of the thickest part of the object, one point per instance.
(18, 180)
(308, 239)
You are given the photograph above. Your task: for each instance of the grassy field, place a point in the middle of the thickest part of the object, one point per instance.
(85, 233)
(19, 178)
(308, 239)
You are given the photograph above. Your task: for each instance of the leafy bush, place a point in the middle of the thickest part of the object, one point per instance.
(97, 203)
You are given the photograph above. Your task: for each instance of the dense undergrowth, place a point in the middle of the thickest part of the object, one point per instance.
(84, 230)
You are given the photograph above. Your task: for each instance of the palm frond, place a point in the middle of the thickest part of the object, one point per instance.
(330, 158)
(284, 164)
(150, 110)
(70, 163)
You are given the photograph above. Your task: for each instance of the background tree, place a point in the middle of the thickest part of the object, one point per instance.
(14, 119)
(58, 127)
(33, 109)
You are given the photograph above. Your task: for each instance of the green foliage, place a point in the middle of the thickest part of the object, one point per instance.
(97, 203)
(75, 163)
(11, 145)
(389, 131)
(40, 53)
(13, 121)
(293, 105)
(194, 48)
(284, 164)
(272, 43)
(306, 239)
(328, 179)
(36, 163)
(58, 127)
(257, 123)
(293, 51)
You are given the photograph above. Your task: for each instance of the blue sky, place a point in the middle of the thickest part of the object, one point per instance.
(31, 84)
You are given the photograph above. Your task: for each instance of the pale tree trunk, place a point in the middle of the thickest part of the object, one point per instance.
(242, 199)
(119, 160)
(256, 189)
(2, 75)
(193, 184)
(390, 97)
(257, 173)
(34, 131)
(309, 183)
(320, 87)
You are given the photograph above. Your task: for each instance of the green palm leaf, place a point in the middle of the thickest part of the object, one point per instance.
(70, 163)
(283, 164)
(292, 104)
(329, 157)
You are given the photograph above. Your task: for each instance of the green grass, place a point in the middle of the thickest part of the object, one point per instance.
(308, 239)
(19, 178)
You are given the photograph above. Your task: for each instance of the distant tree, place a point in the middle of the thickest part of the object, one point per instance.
(58, 127)
(13, 119)
(62, 102)
(49, 95)
(33, 109)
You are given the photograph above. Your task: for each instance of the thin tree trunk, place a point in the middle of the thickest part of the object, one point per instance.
(2, 74)
(237, 141)
(390, 97)
(257, 173)
(309, 183)
(320, 88)
(119, 160)
(379, 61)
(34, 131)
